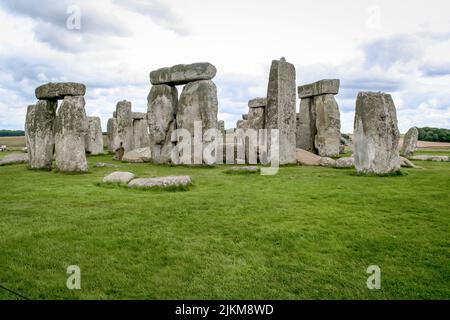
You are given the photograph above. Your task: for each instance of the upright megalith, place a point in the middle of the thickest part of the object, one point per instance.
(71, 127)
(306, 126)
(113, 135)
(125, 124)
(328, 126)
(410, 142)
(39, 133)
(94, 136)
(198, 104)
(221, 126)
(319, 124)
(162, 108)
(280, 110)
(376, 136)
(256, 113)
(183, 74)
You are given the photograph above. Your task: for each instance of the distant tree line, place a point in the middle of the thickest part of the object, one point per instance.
(12, 133)
(434, 134)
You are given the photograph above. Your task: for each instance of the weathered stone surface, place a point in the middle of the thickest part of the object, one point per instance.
(430, 158)
(94, 136)
(240, 124)
(257, 103)
(54, 91)
(139, 115)
(376, 136)
(113, 135)
(39, 134)
(328, 126)
(14, 158)
(327, 86)
(307, 158)
(119, 177)
(162, 107)
(406, 163)
(105, 165)
(245, 117)
(306, 126)
(221, 126)
(138, 155)
(344, 163)
(280, 110)
(327, 162)
(161, 182)
(140, 133)
(198, 102)
(71, 127)
(255, 118)
(410, 142)
(125, 124)
(183, 74)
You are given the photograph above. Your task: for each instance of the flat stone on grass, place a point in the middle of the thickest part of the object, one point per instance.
(161, 182)
(246, 169)
(119, 177)
(14, 158)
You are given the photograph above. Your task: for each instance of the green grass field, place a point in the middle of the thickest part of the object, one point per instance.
(306, 233)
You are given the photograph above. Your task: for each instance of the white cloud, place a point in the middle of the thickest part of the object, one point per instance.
(122, 41)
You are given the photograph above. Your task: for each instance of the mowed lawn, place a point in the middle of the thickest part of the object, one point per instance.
(306, 233)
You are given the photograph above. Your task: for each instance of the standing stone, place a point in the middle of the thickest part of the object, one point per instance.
(198, 102)
(71, 127)
(256, 113)
(125, 124)
(113, 135)
(140, 133)
(328, 125)
(410, 142)
(94, 137)
(162, 107)
(221, 126)
(39, 133)
(306, 126)
(280, 111)
(376, 136)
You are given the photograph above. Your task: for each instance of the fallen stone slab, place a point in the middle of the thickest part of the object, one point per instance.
(406, 163)
(183, 74)
(327, 86)
(138, 155)
(430, 158)
(105, 165)
(161, 182)
(246, 169)
(14, 158)
(327, 162)
(119, 177)
(345, 163)
(307, 158)
(55, 91)
(257, 103)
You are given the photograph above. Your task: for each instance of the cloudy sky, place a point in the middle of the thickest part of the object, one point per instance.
(400, 47)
